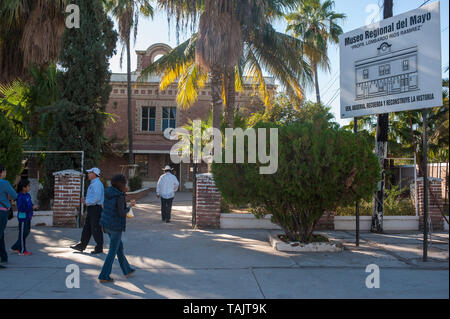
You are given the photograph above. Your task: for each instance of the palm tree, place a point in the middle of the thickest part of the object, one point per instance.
(262, 48)
(127, 13)
(218, 48)
(28, 105)
(30, 33)
(278, 53)
(317, 25)
(223, 26)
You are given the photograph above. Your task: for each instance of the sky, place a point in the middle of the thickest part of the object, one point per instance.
(158, 30)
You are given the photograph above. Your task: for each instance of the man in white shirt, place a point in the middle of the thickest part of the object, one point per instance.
(165, 189)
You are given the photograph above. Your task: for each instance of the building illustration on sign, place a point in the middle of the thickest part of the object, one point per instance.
(387, 73)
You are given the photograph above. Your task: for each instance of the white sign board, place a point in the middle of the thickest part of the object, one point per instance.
(392, 65)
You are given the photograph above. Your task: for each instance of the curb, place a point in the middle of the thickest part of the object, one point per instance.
(331, 247)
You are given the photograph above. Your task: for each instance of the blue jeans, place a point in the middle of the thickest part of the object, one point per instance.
(115, 248)
(3, 222)
(24, 231)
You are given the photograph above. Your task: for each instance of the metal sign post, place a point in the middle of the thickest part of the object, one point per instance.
(425, 185)
(355, 128)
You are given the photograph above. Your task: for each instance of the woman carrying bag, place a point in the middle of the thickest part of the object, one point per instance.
(7, 193)
(113, 222)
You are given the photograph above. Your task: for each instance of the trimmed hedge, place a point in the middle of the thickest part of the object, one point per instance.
(320, 167)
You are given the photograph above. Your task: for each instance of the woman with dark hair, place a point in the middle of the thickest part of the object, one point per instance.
(113, 221)
(7, 193)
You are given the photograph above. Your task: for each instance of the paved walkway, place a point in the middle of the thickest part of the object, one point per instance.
(175, 261)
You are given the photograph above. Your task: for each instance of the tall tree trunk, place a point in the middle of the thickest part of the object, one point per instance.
(217, 103)
(316, 82)
(130, 118)
(216, 95)
(231, 97)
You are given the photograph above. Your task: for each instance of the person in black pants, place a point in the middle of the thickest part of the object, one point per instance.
(94, 201)
(166, 208)
(165, 189)
(6, 193)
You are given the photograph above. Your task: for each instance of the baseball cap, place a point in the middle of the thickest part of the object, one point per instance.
(94, 170)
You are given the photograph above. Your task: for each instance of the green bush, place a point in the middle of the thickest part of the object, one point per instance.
(394, 205)
(320, 167)
(224, 207)
(10, 149)
(135, 183)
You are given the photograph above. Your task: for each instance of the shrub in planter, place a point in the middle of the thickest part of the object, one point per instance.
(224, 207)
(135, 183)
(320, 167)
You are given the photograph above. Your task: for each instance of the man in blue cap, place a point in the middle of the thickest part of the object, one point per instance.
(94, 202)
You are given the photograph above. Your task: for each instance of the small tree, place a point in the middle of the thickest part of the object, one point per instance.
(320, 167)
(10, 149)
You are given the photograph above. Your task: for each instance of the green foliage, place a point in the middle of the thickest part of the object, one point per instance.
(85, 57)
(284, 110)
(224, 206)
(320, 167)
(394, 205)
(28, 104)
(264, 49)
(10, 149)
(316, 24)
(84, 82)
(135, 183)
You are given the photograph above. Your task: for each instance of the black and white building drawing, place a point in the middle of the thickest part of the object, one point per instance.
(387, 73)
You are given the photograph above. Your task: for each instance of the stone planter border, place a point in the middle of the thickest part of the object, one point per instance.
(39, 218)
(139, 194)
(390, 223)
(296, 247)
(245, 221)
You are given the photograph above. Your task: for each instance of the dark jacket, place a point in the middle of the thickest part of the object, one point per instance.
(114, 214)
(24, 205)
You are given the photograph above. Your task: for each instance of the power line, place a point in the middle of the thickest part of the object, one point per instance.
(331, 79)
(424, 3)
(335, 95)
(338, 93)
(334, 79)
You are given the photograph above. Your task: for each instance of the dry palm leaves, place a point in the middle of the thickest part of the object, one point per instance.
(220, 43)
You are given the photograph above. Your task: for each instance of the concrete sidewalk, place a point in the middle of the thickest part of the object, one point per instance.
(174, 261)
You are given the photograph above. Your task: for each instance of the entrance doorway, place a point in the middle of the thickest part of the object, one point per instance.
(176, 167)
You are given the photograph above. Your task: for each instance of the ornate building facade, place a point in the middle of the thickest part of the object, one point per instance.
(154, 110)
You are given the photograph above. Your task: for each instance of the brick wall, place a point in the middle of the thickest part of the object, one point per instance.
(67, 198)
(208, 202)
(434, 202)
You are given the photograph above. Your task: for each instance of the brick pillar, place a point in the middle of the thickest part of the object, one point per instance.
(67, 198)
(208, 202)
(326, 222)
(433, 205)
